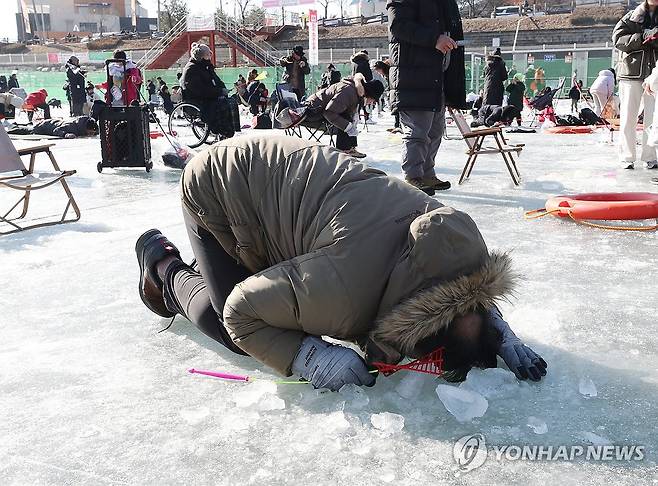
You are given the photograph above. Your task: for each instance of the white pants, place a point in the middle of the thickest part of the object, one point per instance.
(600, 101)
(631, 96)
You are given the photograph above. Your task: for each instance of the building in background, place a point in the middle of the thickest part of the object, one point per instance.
(368, 8)
(55, 18)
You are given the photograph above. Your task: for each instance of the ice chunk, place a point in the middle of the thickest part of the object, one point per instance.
(270, 402)
(491, 382)
(411, 385)
(387, 422)
(354, 395)
(537, 425)
(595, 439)
(253, 392)
(334, 422)
(587, 388)
(463, 404)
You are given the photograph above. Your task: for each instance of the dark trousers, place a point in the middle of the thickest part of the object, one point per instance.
(343, 140)
(76, 108)
(200, 295)
(46, 112)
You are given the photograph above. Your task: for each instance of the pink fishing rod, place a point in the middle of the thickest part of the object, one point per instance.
(216, 374)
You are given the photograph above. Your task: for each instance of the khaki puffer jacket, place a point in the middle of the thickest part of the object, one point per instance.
(339, 102)
(338, 249)
(637, 59)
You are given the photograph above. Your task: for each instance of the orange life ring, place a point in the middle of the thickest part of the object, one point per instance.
(605, 206)
(570, 129)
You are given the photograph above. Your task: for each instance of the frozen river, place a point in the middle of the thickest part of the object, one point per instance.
(90, 393)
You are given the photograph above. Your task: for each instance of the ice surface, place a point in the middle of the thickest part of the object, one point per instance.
(491, 382)
(411, 385)
(387, 422)
(354, 395)
(463, 404)
(92, 394)
(537, 425)
(587, 388)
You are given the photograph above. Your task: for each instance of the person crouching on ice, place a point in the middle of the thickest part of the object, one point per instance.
(294, 240)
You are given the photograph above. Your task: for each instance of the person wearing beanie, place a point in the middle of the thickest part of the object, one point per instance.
(76, 83)
(297, 69)
(295, 241)
(427, 74)
(339, 103)
(202, 87)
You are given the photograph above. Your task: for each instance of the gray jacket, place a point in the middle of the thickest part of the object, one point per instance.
(637, 59)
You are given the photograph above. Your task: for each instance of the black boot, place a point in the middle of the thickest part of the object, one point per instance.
(418, 183)
(151, 248)
(435, 183)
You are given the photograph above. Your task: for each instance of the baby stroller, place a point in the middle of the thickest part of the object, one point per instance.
(542, 104)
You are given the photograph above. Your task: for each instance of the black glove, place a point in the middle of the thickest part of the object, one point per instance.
(520, 359)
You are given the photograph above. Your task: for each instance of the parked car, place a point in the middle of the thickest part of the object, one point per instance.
(505, 11)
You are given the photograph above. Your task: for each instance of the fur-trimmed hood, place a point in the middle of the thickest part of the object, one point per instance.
(433, 309)
(360, 57)
(448, 272)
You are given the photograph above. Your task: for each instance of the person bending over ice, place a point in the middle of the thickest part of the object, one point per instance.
(294, 240)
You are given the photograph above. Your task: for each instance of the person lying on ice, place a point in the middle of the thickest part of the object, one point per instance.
(294, 240)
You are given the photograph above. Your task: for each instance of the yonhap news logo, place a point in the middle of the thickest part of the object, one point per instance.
(471, 452)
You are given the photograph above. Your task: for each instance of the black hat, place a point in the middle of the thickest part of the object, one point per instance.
(497, 52)
(299, 50)
(373, 89)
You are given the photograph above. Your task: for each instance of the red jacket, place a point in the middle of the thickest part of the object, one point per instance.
(37, 98)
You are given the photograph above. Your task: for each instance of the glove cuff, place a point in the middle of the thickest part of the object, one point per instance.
(495, 319)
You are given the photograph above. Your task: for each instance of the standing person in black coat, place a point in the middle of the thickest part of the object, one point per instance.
(203, 88)
(330, 76)
(13, 81)
(495, 73)
(150, 88)
(297, 69)
(164, 93)
(76, 78)
(3, 84)
(427, 74)
(361, 64)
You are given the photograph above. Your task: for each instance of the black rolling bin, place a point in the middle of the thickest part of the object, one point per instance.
(124, 134)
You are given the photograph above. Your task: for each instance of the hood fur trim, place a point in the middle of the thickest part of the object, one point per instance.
(359, 79)
(432, 310)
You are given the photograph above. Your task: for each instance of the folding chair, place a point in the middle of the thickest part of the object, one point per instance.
(315, 129)
(475, 139)
(14, 175)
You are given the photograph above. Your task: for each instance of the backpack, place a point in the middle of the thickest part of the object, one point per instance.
(561, 121)
(262, 121)
(588, 117)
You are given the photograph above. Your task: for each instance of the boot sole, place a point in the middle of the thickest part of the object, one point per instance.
(139, 250)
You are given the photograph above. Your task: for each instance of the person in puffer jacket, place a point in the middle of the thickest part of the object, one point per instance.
(602, 89)
(636, 36)
(339, 104)
(295, 241)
